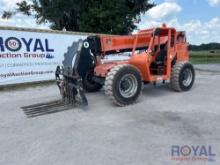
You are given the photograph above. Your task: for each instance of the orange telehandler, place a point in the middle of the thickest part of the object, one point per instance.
(153, 55)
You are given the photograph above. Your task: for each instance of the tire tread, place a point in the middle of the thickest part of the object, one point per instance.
(110, 78)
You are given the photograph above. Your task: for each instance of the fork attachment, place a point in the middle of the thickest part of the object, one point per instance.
(70, 86)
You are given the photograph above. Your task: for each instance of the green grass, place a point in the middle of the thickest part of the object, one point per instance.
(205, 57)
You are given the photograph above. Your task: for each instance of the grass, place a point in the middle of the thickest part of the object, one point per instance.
(205, 57)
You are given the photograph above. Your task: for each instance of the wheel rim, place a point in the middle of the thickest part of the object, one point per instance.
(128, 85)
(187, 77)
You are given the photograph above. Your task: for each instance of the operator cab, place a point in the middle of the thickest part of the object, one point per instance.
(161, 46)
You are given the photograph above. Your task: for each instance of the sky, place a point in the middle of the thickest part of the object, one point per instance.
(199, 18)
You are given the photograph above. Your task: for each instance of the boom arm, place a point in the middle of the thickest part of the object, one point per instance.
(115, 44)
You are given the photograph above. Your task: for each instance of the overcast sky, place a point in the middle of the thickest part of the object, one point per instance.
(200, 18)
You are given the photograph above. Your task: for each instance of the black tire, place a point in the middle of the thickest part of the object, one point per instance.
(123, 84)
(89, 85)
(182, 76)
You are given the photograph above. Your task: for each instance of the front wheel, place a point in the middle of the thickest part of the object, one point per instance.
(123, 84)
(183, 76)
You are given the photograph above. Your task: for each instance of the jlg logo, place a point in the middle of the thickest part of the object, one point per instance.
(30, 45)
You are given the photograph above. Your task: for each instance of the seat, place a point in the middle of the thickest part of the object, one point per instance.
(157, 67)
(160, 58)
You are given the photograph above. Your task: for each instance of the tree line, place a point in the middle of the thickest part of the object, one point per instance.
(210, 47)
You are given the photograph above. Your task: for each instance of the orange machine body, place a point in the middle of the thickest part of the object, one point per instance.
(144, 47)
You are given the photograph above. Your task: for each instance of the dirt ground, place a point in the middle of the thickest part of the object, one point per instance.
(104, 134)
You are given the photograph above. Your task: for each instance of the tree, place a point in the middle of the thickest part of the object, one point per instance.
(209, 46)
(98, 16)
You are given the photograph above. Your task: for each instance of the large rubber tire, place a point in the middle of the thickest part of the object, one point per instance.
(123, 84)
(89, 85)
(182, 76)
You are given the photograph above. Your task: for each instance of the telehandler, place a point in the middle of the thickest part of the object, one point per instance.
(153, 55)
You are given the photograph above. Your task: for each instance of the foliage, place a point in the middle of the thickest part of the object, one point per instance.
(100, 16)
(209, 47)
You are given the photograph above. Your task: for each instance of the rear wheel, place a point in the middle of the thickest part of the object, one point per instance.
(183, 76)
(89, 85)
(123, 84)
